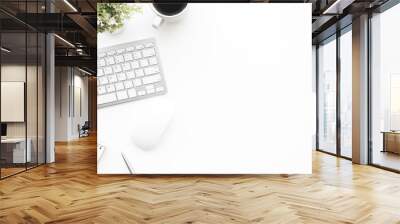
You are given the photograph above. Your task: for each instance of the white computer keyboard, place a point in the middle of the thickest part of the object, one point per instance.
(128, 72)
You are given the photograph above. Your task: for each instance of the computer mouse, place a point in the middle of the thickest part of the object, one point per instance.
(152, 122)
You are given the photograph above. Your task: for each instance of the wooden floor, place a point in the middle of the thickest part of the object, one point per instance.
(5, 172)
(8, 171)
(387, 159)
(70, 191)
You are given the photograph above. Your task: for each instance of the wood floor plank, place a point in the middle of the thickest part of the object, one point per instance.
(70, 191)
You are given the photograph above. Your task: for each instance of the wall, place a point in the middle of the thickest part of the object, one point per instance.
(14, 73)
(17, 73)
(62, 81)
(71, 87)
(80, 109)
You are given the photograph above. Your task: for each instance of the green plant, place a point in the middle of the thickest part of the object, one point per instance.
(111, 16)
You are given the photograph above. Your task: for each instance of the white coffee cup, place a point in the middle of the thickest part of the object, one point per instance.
(170, 16)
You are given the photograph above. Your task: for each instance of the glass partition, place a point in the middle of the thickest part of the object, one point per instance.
(22, 101)
(13, 94)
(346, 93)
(327, 96)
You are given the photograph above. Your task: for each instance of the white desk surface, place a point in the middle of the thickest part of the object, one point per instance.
(233, 72)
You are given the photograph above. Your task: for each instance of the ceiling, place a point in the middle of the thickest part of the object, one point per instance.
(332, 15)
(74, 22)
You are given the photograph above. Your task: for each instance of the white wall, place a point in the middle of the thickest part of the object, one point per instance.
(69, 82)
(34, 125)
(79, 118)
(16, 72)
(62, 81)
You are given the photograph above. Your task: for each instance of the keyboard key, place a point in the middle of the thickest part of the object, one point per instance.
(101, 62)
(137, 55)
(110, 53)
(128, 57)
(110, 88)
(102, 55)
(153, 60)
(120, 51)
(148, 52)
(150, 89)
(117, 68)
(121, 76)
(139, 72)
(106, 98)
(103, 80)
(132, 93)
(128, 84)
(112, 78)
(108, 70)
(141, 93)
(135, 64)
(119, 86)
(159, 89)
(137, 82)
(126, 66)
(110, 61)
(151, 79)
(121, 95)
(119, 59)
(139, 47)
(101, 90)
(144, 62)
(151, 70)
(130, 75)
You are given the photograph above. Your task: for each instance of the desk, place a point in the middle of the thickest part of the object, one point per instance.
(238, 75)
(16, 153)
(391, 141)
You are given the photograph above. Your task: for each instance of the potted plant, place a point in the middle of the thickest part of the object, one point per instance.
(111, 16)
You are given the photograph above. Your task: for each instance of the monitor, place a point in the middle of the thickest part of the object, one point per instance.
(3, 129)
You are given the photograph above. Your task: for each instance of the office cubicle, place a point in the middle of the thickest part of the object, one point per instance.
(22, 77)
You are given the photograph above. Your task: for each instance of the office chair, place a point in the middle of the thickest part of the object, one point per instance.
(84, 130)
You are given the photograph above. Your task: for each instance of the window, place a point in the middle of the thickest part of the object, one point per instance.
(346, 93)
(385, 89)
(327, 96)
